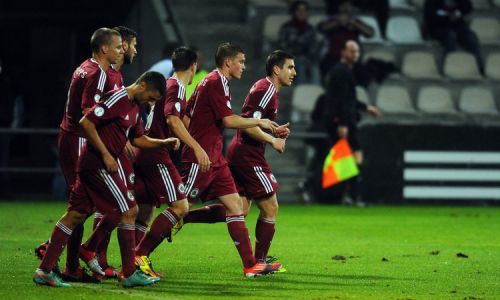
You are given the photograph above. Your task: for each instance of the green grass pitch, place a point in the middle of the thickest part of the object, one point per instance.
(382, 253)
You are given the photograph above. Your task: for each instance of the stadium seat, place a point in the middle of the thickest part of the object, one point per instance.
(403, 30)
(394, 100)
(419, 4)
(487, 29)
(481, 4)
(382, 54)
(269, 3)
(272, 26)
(304, 98)
(316, 19)
(477, 100)
(420, 65)
(492, 66)
(377, 37)
(362, 95)
(435, 100)
(400, 4)
(461, 66)
(496, 3)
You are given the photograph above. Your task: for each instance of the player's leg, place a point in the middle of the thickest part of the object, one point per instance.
(265, 227)
(144, 202)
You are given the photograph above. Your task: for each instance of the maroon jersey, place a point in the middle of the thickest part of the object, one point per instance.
(210, 103)
(262, 102)
(87, 87)
(116, 119)
(174, 103)
(115, 79)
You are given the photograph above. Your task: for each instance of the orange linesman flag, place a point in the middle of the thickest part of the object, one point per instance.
(339, 164)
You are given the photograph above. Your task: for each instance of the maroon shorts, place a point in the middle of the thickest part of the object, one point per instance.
(126, 170)
(158, 184)
(69, 146)
(207, 186)
(254, 182)
(101, 190)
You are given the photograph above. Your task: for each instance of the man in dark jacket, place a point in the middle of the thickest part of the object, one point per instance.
(342, 109)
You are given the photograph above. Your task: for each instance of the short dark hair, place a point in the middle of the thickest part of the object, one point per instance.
(296, 4)
(126, 33)
(183, 58)
(276, 58)
(226, 50)
(102, 37)
(153, 80)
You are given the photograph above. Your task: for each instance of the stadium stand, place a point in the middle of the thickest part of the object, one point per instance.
(404, 30)
(477, 100)
(435, 100)
(487, 29)
(303, 100)
(394, 99)
(420, 65)
(362, 95)
(492, 66)
(377, 36)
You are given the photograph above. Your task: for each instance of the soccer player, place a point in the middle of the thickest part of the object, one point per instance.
(158, 180)
(125, 165)
(88, 84)
(210, 112)
(108, 125)
(251, 172)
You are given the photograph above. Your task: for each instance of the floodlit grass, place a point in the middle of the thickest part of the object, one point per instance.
(380, 253)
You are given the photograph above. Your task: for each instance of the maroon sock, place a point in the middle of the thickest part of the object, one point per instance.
(140, 231)
(213, 213)
(264, 233)
(126, 239)
(57, 242)
(73, 250)
(102, 231)
(102, 251)
(158, 231)
(97, 218)
(239, 233)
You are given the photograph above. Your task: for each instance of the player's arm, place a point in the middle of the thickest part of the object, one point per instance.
(177, 126)
(258, 134)
(94, 139)
(238, 122)
(145, 142)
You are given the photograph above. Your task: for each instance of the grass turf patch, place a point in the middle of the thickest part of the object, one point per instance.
(330, 252)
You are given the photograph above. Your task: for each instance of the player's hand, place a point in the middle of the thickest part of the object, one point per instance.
(373, 111)
(202, 158)
(268, 124)
(172, 143)
(130, 150)
(110, 163)
(283, 131)
(279, 144)
(342, 131)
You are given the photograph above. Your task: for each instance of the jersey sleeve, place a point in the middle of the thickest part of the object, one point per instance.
(220, 104)
(101, 113)
(93, 89)
(173, 102)
(253, 107)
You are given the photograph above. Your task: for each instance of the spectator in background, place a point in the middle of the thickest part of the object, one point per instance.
(298, 37)
(200, 73)
(379, 7)
(164, 66)
(445, 22)
(340, 28)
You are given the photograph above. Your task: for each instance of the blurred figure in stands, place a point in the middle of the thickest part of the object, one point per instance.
(298, 37)
(338, 29)
(445, 22)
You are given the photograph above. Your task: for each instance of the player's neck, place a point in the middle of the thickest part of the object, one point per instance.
(131, 90)
(225, 72)
(183, 77)
(102, 61)
(275, 81)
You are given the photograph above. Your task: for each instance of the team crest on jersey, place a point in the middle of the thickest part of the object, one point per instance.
(273, 178)
(181, 187)
(80, 72)
(99, 111)
(178, 106)
(228, 103)
(257, 114)
(131, 178)
(194, 193)
(97, 97)
(130, 196)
